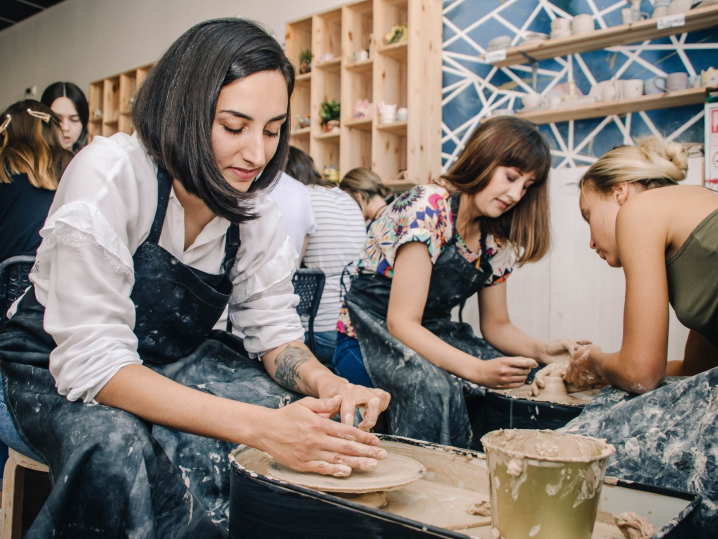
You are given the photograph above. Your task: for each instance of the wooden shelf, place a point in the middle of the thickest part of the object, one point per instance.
(398, 51)
(328, 136)
(304, 132)
(398, 128)
(361, 67)
(696, 19)
(680, 98)
(110, 122)
(334, 64)
(304, 77)
(360, 123)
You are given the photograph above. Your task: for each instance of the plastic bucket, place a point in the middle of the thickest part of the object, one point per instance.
(544, 484)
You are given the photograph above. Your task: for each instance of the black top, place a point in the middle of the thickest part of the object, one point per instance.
(23, 210)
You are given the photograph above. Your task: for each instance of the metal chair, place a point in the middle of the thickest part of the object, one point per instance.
(14, 281)
(309, 286)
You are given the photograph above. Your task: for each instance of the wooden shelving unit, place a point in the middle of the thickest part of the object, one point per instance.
(695, 19)
(113, 96)
(407, 73)
(680, 98)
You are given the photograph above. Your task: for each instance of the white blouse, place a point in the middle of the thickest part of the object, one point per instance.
(83, 275)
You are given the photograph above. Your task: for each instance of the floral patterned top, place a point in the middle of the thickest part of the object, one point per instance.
(422, 214)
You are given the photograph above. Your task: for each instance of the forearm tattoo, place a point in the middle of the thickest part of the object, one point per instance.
(288, 363)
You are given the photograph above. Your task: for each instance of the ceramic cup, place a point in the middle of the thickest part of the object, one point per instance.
(630, 15)
(654, 85)
(561, 24)
(676, 81)
(554, 101)
(709, 77)
(659, 12)
(582, 24)
(500, 42)
(531, 100)
(559, 34)
(606, 90)
(630, 89)
(361, 55)
(402, 114)
(679, 6)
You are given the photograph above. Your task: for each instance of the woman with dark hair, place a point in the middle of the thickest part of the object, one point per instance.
(32, 160)
(432, 248)
(332, 247)
(113, 374)
(70, 104)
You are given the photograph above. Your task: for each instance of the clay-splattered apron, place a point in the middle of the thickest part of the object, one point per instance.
(667, 437)
(427, 402)
(114, 474)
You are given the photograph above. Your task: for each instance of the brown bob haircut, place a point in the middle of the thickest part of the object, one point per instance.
(31, 146)
(175, 108)
(506, 141)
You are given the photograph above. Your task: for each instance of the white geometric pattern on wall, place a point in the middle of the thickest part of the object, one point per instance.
(472, 88)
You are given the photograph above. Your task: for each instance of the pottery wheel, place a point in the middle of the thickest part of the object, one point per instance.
(393, 472)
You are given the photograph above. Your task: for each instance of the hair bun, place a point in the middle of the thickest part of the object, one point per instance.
(670, 158)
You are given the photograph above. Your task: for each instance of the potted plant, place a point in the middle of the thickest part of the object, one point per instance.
(305, 61)
(330, 113)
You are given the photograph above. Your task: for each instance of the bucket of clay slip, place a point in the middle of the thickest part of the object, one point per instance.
(544, 485)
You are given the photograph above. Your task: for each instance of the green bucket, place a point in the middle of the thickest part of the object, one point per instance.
(544, 484)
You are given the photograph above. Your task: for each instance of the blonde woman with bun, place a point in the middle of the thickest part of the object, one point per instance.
(365, 186)
(665, 237)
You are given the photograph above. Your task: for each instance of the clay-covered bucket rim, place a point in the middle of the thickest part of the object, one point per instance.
(606, 452)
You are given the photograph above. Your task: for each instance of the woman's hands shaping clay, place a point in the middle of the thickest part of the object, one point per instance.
(579, 372)
(505, 372)
(557, 369)
(302, 436)
(352, 396)
(561, 350)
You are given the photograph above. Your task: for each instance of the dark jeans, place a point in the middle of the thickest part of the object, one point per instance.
(324, 342)
(348, 361)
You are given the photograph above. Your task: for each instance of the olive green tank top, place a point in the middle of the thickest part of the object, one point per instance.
(693, 280)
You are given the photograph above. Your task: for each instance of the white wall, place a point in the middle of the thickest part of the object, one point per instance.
(85, 40)
(572, 293)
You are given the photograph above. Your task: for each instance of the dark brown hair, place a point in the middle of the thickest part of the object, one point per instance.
(300, 166)
(31, 146)
(175, 108)
(77, 96)
(506, 141)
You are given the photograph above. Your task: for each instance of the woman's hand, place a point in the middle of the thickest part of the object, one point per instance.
(580, 370)
(503, 372)
(558, 368)
(300, 436)
(560, 350)
(352, 396)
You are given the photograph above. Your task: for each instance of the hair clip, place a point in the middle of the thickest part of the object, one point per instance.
(44, 116)
(4, 125)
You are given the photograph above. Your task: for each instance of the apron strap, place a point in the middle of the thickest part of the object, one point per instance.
(231, 246)
(164, 187)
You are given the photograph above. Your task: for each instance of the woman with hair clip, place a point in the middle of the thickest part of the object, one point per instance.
(113, 375)
(666, 240)
(32, 160)
(432, 248)
(70, 104)
(365, 186)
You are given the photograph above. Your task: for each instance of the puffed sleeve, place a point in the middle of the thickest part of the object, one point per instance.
(262, 304)
(84, 274)
(502, 258)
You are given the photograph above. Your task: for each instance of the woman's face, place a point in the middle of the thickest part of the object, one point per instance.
(600, 212)
(69, 121)
(247, 120)
(506, 188)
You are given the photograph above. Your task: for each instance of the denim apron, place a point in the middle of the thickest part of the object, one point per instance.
(427, 402)
(113, 473)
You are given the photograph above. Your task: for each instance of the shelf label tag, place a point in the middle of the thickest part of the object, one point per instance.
(672, 21)
(496, 56)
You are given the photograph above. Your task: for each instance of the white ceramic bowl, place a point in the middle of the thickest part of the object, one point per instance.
(500, 42)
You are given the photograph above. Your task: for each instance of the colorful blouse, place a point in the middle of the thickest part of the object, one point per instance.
(422, 214)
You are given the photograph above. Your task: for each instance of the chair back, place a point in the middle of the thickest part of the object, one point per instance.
(14, 280)
(309, 286)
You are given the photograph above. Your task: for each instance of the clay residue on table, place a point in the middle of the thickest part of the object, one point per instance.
(578, 398)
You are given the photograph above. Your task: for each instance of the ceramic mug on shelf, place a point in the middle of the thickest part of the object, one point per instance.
(695, 81)
(630, 15)
(560, 34)
(679, 6)
(361, 55)
(709, 77)
(676, 82)
(654, 85)
(531, 100)
(606, 90)
(554, 101)
(582, 24)
(659, 12)
(630, 89)
(402, 114)
(561, 24)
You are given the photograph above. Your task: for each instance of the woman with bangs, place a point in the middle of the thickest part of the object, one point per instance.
(431, 249)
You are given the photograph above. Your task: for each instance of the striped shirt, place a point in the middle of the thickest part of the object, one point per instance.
(337, 241)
